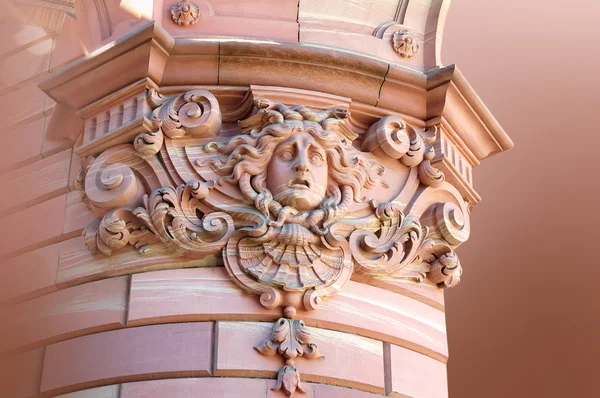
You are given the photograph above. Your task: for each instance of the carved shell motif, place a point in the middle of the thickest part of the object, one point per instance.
(290, 257)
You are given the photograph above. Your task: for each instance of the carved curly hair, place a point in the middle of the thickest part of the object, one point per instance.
(244, 160)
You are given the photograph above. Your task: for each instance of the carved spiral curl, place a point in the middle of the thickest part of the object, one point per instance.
(391, 134)
(270, 298)
(148, 144)
(312, 300)
(428, 174)
(114, 231)
(194, 113)
(112, 185)
(446, 270)
(451, 223)
(119, 177)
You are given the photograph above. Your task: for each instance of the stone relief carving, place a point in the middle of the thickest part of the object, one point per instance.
(405, 44)
(185, 13)
(290, 338)
(290, 201)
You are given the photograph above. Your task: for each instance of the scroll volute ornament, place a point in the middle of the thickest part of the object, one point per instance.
(287, 201)
(129, 186)
(398, 140)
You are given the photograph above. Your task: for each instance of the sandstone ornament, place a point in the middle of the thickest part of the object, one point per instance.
(291, 201)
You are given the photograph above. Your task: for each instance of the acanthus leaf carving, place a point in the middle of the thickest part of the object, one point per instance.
(399, 239)
(194, 113)
(446, 270)
(403, 248)
(148, 144)
(290, 338)
(170, 221)
(117, 229)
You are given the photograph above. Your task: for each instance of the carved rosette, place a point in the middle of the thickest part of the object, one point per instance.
(185, 13)
(292, 205)
(405, 44)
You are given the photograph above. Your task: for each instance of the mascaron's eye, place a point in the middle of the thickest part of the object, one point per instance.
(316, 158)
(286, 155)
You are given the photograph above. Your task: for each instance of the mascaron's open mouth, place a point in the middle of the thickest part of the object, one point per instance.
(300, 182)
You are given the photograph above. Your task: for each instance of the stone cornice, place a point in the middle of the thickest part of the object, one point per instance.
(150, 52)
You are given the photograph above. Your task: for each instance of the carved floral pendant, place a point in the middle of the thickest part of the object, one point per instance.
(290, 338)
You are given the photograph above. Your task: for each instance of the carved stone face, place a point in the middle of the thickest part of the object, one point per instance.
(297, 175)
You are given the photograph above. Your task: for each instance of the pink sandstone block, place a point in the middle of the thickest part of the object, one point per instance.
(422, 291)
(64, 314)
(350, 16)
(78, 265)
(267, 20)
(281, 65)
(63, 128)
(77, 216)
(205, 68)
(284, 10)
(410, 374)
(18, 233)
(64, 51)
(16, 35)
(26, 63)
(209, 294)
(152, 352)
(218, 387)
(36, 182)
(29, 275)
(327, 391)
(350, 360)
(98, 392)
(49, 105)
(383, 315)
(21, 374)
(20, 105)
(22, 145)
(191, 295)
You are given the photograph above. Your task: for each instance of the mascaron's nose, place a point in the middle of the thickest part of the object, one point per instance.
(300, 167)
(301, 164)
